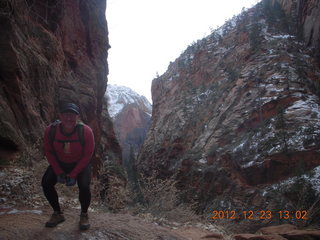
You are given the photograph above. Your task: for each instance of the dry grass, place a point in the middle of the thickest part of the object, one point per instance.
(161, 200)
(110, 187)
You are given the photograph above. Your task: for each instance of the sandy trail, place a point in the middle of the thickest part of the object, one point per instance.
(29, 224)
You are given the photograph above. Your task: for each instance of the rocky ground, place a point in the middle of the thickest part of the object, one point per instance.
(24, 211)
(29, 224)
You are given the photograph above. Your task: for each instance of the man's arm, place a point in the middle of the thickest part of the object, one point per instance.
(87, 153)
(50, 153)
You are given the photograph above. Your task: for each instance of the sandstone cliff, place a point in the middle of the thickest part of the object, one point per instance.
(53, 51)
(236, 116)
(50, 52)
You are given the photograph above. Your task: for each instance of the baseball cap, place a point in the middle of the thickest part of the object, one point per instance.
(69, 107)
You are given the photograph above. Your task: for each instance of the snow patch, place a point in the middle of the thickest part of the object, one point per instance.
(283, 36)
(120, 96)
(249, 164)
(200, 97)
(203, 161)
(314, 180)
(16, 211)
(115, 108)
(308, 107)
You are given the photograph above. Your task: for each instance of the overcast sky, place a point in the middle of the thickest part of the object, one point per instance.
(145, 35)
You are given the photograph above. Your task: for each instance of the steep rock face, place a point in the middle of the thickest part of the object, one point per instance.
(307, 15)
(237, 114)
(131, 115)
(50, 52)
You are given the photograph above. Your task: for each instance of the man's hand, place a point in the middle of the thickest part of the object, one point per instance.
(70, 181)
(61, 178)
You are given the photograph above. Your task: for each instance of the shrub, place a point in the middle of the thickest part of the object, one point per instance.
(255, 35)
(161, 199)
(295, 195)
(111, 186)
(302, 196)
(233, 73)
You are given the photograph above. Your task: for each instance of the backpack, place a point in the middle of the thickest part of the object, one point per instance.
(79, 129)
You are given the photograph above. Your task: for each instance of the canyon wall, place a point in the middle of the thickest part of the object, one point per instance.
(236, 116)
(50, 52)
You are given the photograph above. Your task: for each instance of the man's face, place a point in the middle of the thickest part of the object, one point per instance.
(69, 119)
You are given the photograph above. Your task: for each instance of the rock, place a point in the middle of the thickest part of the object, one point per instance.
(192, 232)
(291, 232)
(302, 234)
(307, 14)
(213, 236)
(51, 52)
(244, 134)
(258, 237)
(285, 231)
(280, 229)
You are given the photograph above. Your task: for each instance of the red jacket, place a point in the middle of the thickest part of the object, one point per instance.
(69, 152)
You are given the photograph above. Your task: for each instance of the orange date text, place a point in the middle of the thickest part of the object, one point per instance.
(259, 215)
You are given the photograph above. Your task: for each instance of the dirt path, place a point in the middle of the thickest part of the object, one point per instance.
(20, 187)
(29, 224)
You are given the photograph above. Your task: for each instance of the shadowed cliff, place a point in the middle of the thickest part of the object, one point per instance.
(51, 52)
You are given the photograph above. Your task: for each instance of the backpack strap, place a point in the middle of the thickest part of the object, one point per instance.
(80, 131)
(52, 131)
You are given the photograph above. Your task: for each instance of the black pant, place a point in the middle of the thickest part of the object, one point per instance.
(49, 180)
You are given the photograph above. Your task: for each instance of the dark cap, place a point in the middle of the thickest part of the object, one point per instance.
(69, 107)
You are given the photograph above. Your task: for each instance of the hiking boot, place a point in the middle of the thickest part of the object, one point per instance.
(56, 218)
(84, 221)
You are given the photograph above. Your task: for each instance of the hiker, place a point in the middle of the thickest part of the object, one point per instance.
(68, 147)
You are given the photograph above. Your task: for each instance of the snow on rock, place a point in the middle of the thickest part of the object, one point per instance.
(313, 177)
(250, 107)
(120, 96)
(307, 109)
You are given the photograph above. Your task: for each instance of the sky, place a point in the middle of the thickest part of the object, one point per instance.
(146, 35)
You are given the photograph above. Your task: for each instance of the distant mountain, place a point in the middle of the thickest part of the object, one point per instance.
(131, 115)
(121, 96)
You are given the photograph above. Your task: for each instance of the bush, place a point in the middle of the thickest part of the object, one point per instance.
(233, 73)
(111, 186)
(161, 199)
(255, 35)
(297, 194)
(302, 196)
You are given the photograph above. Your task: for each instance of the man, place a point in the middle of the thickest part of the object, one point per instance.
(68, 147)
